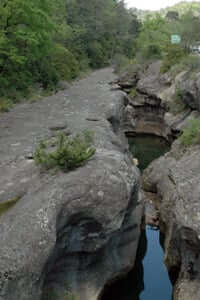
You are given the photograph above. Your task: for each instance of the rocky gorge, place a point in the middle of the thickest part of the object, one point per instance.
(171, 182)
(79, 231)
(67, 232)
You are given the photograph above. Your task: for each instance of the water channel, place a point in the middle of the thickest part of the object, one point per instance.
(149, 279)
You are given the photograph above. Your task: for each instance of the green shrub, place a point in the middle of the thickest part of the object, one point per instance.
(133, 92)
(5, 105)
(177, 105)
(189, 63)
(120, 63)
(65, 63)
(174, 55)
(191, 134)
(69, 152)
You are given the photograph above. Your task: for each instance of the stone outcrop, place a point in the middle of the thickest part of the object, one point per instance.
(175, 179)
(172, 182)
(71, 231)
(189, 89)
(152, 99)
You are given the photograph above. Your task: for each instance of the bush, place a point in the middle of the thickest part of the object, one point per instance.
(97, 55)
(120, 63)
(70, 152)
(133, 93)
(174, 55)
(189, 63)
(191, 134)
(177, 105)
(5, 105)
(65, 63)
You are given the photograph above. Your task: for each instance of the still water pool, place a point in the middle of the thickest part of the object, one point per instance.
(146, 148)
(157, 285)
(149, 279)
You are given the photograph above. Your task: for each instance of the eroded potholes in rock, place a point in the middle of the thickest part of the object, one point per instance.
(149, 280)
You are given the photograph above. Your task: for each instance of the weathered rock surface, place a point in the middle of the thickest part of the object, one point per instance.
(69, 231)
(152, 97)
(146, 110)
(175, 178)
(189, 88)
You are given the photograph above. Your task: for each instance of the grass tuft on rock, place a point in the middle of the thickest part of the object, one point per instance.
(68, 152)
(191, 134)
(8, 204)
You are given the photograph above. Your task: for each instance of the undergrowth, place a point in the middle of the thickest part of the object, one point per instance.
(191, 134)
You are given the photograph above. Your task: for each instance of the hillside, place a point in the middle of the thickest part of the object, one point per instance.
(180, 7)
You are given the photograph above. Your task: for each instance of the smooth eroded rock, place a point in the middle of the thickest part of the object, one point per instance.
(71, 231)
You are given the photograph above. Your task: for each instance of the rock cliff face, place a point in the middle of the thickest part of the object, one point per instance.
(190, 91)
(151, 95)
(144, 102)
(173, 181)
(71, 231)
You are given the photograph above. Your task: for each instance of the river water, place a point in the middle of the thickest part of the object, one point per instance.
(149, 279)
(146, 148)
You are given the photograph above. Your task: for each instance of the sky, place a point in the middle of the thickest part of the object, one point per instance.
(152, 4)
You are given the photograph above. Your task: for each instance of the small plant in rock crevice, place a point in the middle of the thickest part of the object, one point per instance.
(68, 152)
(177, 105)
(191, 134)
(133, 93)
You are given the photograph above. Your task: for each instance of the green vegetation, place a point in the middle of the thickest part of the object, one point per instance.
(182, 7)
(68, 152)
(174, 55)
(177, 105)
(189, 63)
(154, 40)
(58, 295)
(5, 105)
(133, 92)
(191, 134)
(42, 42)
(8, 204)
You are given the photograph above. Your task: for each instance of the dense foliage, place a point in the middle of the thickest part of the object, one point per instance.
(154, 41)
(44, 41)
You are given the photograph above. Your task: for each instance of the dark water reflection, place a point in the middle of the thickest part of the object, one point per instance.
(149, 279)
(146, 148)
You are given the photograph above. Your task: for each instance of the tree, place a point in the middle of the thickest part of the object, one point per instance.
(25, 39)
